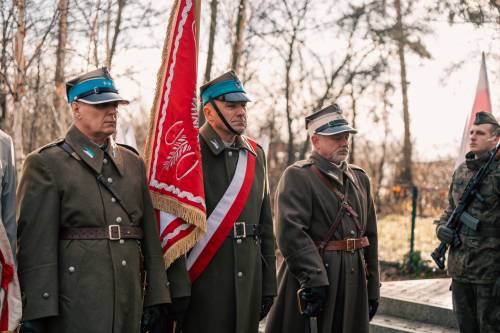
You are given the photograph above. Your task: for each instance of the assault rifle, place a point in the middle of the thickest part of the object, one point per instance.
(459, 216)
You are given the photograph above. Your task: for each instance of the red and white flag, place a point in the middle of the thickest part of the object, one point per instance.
(172, 151)
(482, 102)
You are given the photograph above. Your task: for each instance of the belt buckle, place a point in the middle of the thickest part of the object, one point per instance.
(349, 248)
(114, 228)
(240, 226)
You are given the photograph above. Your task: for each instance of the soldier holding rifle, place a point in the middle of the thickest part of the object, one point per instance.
(473, 236)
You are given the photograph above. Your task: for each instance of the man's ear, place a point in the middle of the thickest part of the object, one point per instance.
(208, 111)
(314, 141)
(75, 109)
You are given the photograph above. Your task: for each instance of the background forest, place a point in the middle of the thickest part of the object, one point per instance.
(293, 56)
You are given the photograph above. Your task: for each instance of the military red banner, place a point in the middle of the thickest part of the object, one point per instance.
(482, 102)
(172, 151)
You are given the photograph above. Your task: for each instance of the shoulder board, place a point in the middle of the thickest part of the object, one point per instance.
(355, 167)
(250, 140)
(302, 164)
(52, 144)
(132, 149)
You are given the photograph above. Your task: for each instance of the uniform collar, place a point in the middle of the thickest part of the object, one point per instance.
(335, 172)
(91, 153)
(474, 162)
(216, 145)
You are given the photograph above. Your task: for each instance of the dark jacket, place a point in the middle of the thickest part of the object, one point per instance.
(86, 285)
(226, 297)
(305, 208)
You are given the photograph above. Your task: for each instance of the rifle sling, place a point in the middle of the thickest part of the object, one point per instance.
(99, 177)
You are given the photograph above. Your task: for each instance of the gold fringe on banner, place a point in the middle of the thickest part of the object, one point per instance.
(190, 214)
(160, 80)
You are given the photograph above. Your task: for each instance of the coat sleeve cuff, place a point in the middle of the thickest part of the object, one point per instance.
(157, 287)
(269, 283)
(374, 289)
(40, 299)
(307, 266)
(178, 278)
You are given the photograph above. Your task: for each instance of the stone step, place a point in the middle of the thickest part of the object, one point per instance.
(426, 301)
(390, 324)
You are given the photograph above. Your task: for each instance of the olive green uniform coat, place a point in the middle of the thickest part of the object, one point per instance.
(226, 298)
(305, 208)
(475, 265)
(87, 286)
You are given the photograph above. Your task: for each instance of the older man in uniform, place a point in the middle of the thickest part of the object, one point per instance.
(89, 252)
(233, 266)
(326, 230)
(474, 266)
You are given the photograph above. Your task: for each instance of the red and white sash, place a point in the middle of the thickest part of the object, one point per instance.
(10, 294)
(223, 217)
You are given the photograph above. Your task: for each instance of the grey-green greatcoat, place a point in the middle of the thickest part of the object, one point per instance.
(305, 208)
(226, 298)
(91, 286)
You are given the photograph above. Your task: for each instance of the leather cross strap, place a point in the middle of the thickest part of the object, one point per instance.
(340, 196)
(99, 177)
(349, 244)
(111, 232)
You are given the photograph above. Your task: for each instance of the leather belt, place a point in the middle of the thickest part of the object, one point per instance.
(111, 232)
(349, 244)
(244, 230)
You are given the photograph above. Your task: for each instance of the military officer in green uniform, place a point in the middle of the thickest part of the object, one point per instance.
(237, 283)
(89, 255)
(474, 266)
(327, 232)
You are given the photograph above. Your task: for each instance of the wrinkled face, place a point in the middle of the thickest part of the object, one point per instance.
(96, 121)
(235, 114)
(334, 148)
(482, 138)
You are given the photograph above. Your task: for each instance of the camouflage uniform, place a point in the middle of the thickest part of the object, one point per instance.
(475, 265)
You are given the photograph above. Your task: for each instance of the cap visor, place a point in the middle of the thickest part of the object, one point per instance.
(236, 97)
(337, 130)
(104, 98)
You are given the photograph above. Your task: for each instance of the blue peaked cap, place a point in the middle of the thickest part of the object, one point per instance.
(95, 87)
(90, 86)
(232, 90)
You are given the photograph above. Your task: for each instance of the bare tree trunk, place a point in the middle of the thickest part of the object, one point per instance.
(211, 38)
(210, 54)
(381, 163)
(238, 40)
(3, 66)
(116, 32)
(94, 34)
(60, 105)
(352, 157)
(19, 82)
(406, 172)
(288, 93)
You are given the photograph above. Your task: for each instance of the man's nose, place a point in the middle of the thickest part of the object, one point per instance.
(241, 110)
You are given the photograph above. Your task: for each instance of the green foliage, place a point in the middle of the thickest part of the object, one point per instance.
(413, 264)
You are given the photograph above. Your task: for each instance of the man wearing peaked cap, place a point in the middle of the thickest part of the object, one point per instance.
(233, 266)
(89, 254)
(326, 229)
(474, 266)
